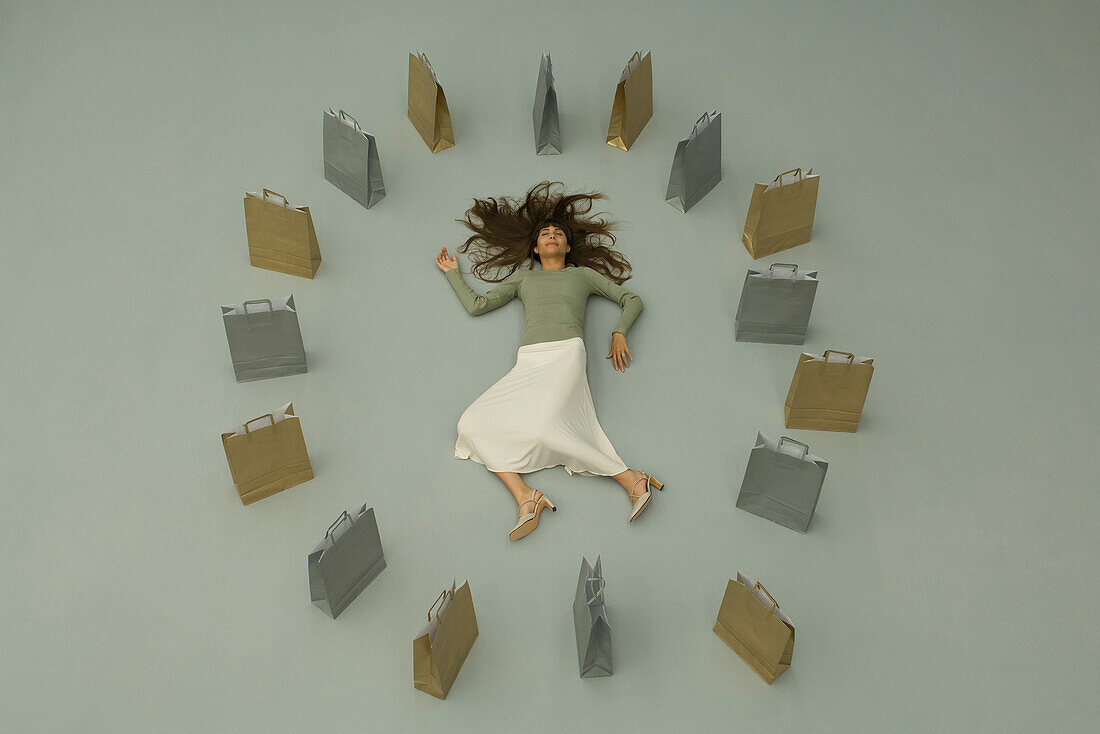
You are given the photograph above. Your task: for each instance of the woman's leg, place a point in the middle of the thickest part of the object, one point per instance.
(519, 489)
(630, 481)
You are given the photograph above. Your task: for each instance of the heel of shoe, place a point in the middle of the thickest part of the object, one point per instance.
(549, 504)
(653, 481)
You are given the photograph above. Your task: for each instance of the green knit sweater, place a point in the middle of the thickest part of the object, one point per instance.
(554, 301)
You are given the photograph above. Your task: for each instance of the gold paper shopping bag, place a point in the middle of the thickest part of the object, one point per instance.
(749, 621)
(633, 105)
(781, 214)
(828, 394)
(280, 237)
(443, 643)
(428, 110)
(270, 458)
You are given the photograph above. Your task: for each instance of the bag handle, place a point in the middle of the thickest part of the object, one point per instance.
(424, 59)
(354, 122)
(779, 178)
(441, 595)
(268, 192)
(805, 449)
(825, 357)
(758, 585)
(270, 308)
(596, 594)
(338, 521)
(266, 415)
(792, 266)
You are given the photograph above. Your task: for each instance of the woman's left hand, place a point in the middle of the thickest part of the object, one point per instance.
(619, 351)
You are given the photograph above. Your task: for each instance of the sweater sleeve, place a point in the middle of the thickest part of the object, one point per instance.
(477, 304)
(612, 291)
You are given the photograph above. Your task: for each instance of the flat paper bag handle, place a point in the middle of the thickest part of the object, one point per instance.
(758, 585)
(338, 521)
(266, 415)
(805, 449)
(779, 178)
(825, 357)
(354, 122)
(441, 595)
(596, 594)
(792, 266)
(272, 193)
(270, 309)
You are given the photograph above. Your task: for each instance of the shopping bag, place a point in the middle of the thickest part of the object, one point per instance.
(828, 391)
(545, 113)
(781, 214)
(346, 561)
(697, 163)
(750, 622)
(428, 110)
(633, 104)
(351, 159)
(782, 482)
(264, 342)
(280, 237)
(775, 306)
(269, 458)
(442, 645)
(590, 622)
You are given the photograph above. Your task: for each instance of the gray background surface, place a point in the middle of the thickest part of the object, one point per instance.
(948, 582)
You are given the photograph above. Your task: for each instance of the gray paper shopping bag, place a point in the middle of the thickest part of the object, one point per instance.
(351, 159)
(697, 164)
(265, 340)
(590, 622)
(775, 306)
(545, 113)
(346, 561)
(782, 482)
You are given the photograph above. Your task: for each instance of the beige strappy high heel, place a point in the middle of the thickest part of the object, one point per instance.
(641, 501)
(528, 521)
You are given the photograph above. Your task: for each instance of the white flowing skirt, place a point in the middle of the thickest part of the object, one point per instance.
(539, 415)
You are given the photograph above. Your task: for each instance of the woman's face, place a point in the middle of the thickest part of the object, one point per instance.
(551, 241)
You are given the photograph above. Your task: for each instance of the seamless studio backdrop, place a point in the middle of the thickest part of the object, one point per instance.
(947, 582)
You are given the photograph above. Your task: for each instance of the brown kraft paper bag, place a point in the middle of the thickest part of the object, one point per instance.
(828, 395)
(428, 109)
(781, 214)
(268, 459)
(633, 105)
(280, 237)
(441, 647)
(749, 621)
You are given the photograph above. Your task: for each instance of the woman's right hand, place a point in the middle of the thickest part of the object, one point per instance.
(445, 261)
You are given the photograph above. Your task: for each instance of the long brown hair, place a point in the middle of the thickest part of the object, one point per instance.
(506, 232)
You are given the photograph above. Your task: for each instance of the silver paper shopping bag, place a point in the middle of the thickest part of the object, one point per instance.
(782, 482)
(697, 164)
(775, 306)
(265, 340)
(545, 113)
(351, 159)
(346, 561)
(590, 622)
